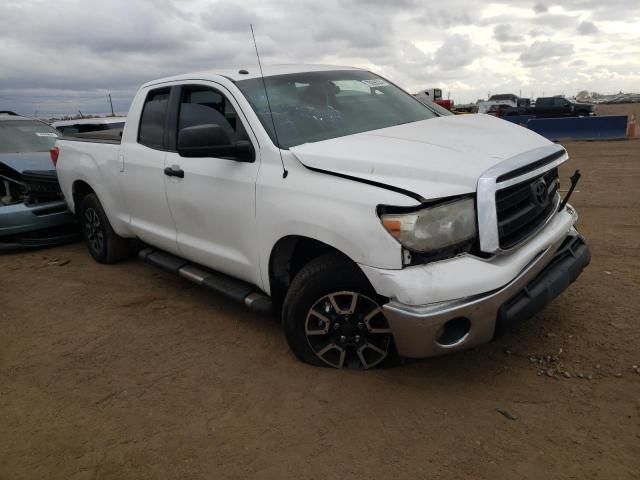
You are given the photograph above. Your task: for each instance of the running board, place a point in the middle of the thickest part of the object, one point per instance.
(237, 290)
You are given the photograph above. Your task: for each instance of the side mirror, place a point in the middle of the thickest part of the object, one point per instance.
(211, 140)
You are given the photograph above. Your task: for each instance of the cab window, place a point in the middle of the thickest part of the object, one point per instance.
(153, 118)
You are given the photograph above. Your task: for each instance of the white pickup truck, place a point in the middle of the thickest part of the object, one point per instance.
(375, 225)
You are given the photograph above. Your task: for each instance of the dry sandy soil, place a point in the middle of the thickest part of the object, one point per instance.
(114, 372)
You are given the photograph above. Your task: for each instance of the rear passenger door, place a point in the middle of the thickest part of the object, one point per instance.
(543, 107)
(562, 107)
(213, 203)
(142, 164)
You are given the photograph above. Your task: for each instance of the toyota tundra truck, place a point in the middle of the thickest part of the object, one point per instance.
(372, 224)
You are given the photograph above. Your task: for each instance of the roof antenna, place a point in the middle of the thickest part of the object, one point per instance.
(264, 84)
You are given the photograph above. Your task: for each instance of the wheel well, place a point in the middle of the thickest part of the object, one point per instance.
(80, 190)
(288, 256)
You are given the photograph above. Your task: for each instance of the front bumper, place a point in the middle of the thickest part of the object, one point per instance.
(435, 329)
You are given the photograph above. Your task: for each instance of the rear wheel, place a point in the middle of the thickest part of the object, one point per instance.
(332, 317)
(104, 245)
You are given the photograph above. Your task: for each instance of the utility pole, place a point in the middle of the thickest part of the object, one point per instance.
(111, 103)
(81, 116)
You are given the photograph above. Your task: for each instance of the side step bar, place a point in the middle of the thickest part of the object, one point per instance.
(230, 287)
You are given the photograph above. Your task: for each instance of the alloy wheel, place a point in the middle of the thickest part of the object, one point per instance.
(93, 230)
(348, 330)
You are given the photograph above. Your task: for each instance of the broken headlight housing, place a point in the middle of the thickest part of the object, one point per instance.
(436, 228)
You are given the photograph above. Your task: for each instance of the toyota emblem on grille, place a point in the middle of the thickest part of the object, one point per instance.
(539, 193)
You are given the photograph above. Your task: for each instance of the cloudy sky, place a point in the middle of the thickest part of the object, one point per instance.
(65, 55)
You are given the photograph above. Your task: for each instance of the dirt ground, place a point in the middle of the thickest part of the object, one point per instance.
(119, 372)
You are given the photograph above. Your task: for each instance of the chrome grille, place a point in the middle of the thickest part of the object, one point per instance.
(524, 207)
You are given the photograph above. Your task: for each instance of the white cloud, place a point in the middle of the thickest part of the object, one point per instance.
(545, 53)
(504, 32)
(456, 51)
(587, 28)
(540, 7)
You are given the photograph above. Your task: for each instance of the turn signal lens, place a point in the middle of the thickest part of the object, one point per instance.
(393, 226)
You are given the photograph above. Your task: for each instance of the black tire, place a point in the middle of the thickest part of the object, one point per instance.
(104, 245)
(334, 277)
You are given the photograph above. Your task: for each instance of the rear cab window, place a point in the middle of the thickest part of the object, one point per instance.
(154, 118)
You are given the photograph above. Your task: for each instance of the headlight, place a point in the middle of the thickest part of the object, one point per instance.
(434, 228)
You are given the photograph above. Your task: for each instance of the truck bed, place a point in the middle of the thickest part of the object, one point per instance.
(113, 136)
(82, 156)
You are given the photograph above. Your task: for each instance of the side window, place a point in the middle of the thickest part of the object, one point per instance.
(153, 118)
(90, 128)
(70, 130)
(560, 102)
(202, 105)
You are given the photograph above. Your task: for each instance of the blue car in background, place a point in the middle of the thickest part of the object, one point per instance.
(32, 209)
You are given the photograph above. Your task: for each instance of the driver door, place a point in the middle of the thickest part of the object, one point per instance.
(212, 201)
(562, 107)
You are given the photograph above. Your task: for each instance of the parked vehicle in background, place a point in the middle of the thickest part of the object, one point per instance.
(368, 220)
(85, 125)
(499, 110)
(505, 100)
(434, 95)
(508, 110)
(32, 208)
(466, 108)
(561, 107)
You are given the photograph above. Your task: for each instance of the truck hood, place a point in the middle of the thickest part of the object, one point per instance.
(17, 163)
(433, 158)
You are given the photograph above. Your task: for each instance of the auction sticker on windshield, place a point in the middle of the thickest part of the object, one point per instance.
(376, 82)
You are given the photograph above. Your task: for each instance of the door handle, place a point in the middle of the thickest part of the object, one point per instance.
(174, 171)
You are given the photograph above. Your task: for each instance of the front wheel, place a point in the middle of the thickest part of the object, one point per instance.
(332, 317)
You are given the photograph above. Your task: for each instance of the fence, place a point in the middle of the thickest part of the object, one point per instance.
(609, 127)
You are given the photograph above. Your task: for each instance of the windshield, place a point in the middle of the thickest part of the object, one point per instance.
(313, 106)
(23, 136)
